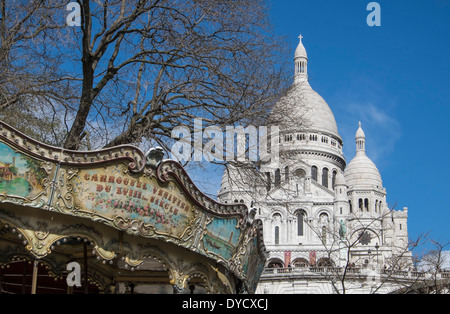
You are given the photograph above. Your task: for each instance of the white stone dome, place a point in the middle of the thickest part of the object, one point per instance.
(317, 114)
(361, 171)
(236, 179)
(229, 178)
(302, 108)
(340, 179)
(306, 110)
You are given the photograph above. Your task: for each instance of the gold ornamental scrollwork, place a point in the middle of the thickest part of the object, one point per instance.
(134, 227)
(65, 196)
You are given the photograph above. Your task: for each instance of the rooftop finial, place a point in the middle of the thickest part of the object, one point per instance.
(301, 62)
(360, 140)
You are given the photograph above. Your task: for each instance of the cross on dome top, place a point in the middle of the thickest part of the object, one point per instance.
(300, 51)
(360, 140)
(300, 60)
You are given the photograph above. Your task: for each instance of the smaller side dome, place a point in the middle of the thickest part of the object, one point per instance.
(340, 179)
(230, 178)
(361, 171)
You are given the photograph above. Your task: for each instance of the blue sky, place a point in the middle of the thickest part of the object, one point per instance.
(395, 80)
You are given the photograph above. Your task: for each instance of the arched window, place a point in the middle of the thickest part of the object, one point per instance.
(277, 235)
(300, 223)
(276, 221)
(268, 185)
(350, 206)
(299, 176)
(275, 263)
(333, 179)
(324, 234)
(300, 262)
(325, 262)
(366, 204)
(314, 173)
(360, 201)
(286, 174)
(277, 178)
(300, 173)
(325, 177)
(288, 138)
(323, 218)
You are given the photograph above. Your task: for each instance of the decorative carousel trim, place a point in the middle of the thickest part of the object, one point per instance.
(137, 162)
(258, 229)
(170, 168)
(35, 149)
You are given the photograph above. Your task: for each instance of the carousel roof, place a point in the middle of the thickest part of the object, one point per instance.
(150, 202)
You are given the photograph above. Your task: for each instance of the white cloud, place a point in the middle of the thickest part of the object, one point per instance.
(382, 130)
(433, 259)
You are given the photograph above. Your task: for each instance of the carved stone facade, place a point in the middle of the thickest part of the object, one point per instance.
(317, 210)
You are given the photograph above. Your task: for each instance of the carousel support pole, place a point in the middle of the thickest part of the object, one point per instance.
(131, 288)
(24, 278)
(34, 278)
(86, 284)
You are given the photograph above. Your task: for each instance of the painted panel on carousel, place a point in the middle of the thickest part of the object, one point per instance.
(222, 237)
(253, 264)
(114, 194)
(20, 175)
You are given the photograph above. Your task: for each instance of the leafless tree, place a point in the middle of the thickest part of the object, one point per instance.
(410, 272)
(32, 84)
(434, 262)
(135, 69)
(357, 258)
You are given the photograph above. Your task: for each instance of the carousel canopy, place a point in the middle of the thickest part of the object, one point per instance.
(130, 205)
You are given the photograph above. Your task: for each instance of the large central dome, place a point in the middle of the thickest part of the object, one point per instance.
(307, 110)
(302, 108)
